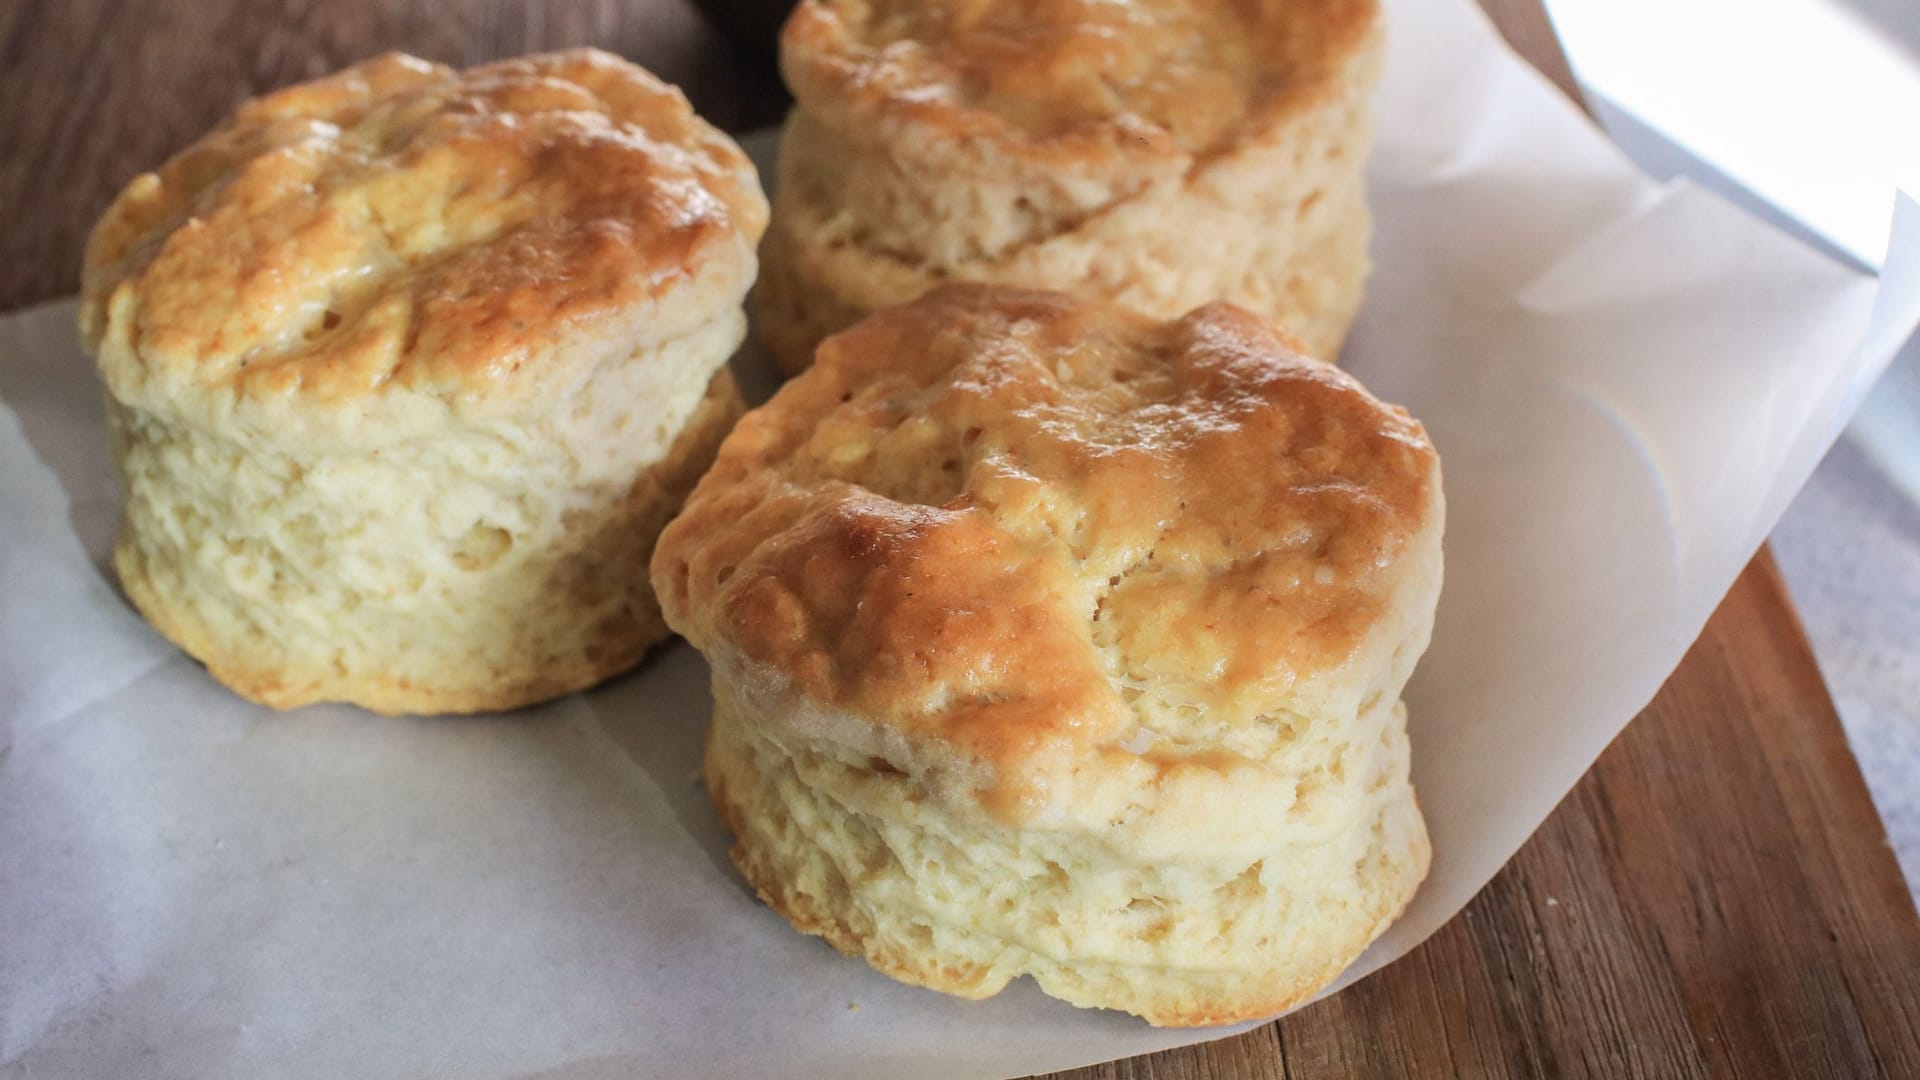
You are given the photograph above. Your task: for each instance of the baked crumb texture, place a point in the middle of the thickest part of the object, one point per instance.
(406, 369)
(1160, 153)
(1053, 639)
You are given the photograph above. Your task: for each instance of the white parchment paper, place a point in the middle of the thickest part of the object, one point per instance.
(1627, 383)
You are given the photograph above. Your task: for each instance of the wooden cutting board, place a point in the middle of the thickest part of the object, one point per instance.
(1716, 898)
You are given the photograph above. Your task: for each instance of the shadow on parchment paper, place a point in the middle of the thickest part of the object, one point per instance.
(657, 716)
(57, 399)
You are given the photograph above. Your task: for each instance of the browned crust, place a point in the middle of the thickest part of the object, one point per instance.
(1075, 82)
(979, 512)
(399, 225)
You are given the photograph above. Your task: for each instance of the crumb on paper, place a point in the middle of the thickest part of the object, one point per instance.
(853, 1006)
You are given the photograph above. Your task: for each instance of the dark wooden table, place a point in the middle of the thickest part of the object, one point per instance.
(1716, 898)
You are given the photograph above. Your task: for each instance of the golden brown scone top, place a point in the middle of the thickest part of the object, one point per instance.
(403, 226)
(1175, 75)
(986, 519)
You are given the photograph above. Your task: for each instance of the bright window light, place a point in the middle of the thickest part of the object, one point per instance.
(1801, 101)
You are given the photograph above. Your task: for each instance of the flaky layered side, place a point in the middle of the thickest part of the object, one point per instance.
(406, 369)
(945, 899)
(1160, 155)
(481, 570)
(1049, 639)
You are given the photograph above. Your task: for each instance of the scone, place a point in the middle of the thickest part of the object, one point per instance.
(407, 367)
(1159, 153)
(1051, 639)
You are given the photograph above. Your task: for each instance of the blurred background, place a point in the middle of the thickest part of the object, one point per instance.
(1809, 116)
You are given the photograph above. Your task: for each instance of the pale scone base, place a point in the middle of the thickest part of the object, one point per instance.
(458, 677)
(813, 283)
(858, 855)
(1275, 221)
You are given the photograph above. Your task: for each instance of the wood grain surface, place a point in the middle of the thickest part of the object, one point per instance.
(1716, 898)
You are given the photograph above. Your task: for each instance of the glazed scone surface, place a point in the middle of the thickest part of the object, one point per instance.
(1063, 586)
(407, 367)
(1059, 76)
(361, 255)
(1117, 498)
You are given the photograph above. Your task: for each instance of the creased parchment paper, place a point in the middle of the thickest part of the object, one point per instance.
(1626, 382)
